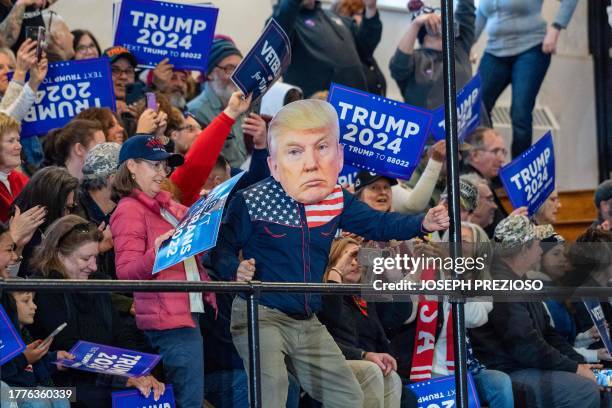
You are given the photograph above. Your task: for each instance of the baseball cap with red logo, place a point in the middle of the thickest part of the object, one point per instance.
(148, 147)
(117, 52)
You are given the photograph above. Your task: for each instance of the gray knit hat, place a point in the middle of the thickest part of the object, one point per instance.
(514, 231)
(101, 161)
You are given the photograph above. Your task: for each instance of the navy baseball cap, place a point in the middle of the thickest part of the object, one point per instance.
(148, 147)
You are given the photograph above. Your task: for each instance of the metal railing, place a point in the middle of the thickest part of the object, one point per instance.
(253, 291)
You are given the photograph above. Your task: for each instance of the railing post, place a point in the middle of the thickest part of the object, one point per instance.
(253, 331)
(452, 183)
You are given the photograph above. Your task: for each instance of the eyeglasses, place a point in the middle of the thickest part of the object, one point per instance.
(118, 71)
(83, 48)
(190, 128)
(81, 228)
(159, 166)
(228, 69)
(499, 151)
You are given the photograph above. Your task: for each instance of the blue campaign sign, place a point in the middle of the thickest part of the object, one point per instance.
(530, 178)
(11, 344)
(379, 134)
(154, 30)
(99, 358)
(198, 230)
(69, 88)
(597, 315)
(347, 175)
(265, 62)
(134, 399)
(469, 100)
(440, 392)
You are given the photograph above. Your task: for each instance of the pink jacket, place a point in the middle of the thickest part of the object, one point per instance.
(135, 224)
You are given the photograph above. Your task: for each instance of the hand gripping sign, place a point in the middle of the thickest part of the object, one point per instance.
(469, 100)
(530, 178)
(11, 344)
(265, 62)
(599, 320)
(440, 392)
(154, 30)
(99, 358)
(69, 88)
(379, 134)
(134, 399)
(198, 230)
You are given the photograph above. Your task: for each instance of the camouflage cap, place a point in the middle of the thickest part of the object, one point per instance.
(468, 195)
(514, 231)
(101, 161)
(547, 233)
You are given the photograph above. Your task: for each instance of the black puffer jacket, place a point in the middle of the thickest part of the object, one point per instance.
(353, 331)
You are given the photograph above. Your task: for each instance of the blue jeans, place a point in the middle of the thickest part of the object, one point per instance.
(182, 353)
(555, 389)
(525, 72)
(230, 389)
(494, 388)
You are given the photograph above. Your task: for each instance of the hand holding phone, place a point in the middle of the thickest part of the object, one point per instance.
(151, 101)
(50, 337)
(38, 34)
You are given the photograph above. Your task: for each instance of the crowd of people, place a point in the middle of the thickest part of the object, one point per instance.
(96, 198)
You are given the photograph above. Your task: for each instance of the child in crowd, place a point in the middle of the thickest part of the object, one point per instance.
(33, 367)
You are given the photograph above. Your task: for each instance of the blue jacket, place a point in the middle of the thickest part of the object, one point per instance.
(269, 226)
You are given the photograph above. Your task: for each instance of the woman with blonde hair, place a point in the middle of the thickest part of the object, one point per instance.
(12, 180)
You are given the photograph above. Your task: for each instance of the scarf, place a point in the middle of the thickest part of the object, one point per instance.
(427, 321)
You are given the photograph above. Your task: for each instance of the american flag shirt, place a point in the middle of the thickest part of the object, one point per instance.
(269, 202)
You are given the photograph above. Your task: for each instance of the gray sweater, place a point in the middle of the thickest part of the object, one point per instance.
(514, 26)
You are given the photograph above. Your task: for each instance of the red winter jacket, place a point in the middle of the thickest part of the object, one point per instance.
(135, 224)
(201, 158)
(17, 181)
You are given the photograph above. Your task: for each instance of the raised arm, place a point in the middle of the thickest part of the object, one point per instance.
(466, 17)
(201, 157)
(368, 34)
(364, 221)
(285, 12)
(10, 27)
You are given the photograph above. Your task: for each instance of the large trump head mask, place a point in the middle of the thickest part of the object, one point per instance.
(305, 154)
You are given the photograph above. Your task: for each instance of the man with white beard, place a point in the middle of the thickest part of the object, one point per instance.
(171, 82)
(223, 59)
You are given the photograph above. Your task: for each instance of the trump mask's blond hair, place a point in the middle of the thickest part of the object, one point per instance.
(303, 115)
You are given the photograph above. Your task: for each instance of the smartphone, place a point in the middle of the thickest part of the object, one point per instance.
(38, 34)
(42, 42)
(151, 101)
(52, 335)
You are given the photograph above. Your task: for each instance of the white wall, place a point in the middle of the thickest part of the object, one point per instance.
(567, 89)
